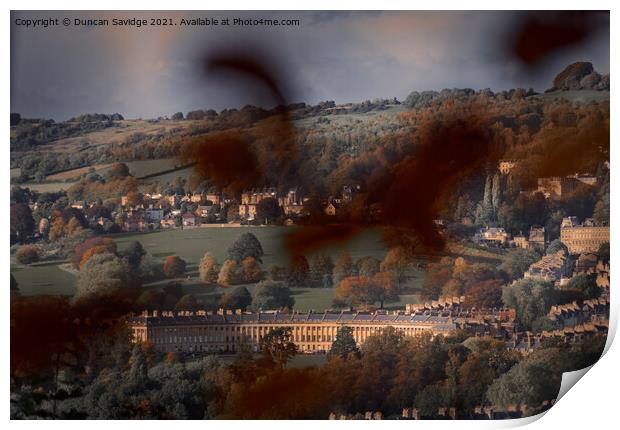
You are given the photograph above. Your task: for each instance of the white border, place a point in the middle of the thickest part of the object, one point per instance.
(591, 403)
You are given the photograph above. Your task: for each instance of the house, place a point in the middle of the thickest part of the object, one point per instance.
(215, 199)
(168, 222)
(331, 208)
(586, 263)
(154, 215)
(556, 187)
(135, 221)
(552, 267)
(348, 192)
(582, 238)
(204, 211)
(188, 219)
(489, 235)
(536, 239)
(247, 211)
(520, 241)
(505, 166)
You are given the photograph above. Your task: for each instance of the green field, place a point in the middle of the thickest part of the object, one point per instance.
(44, 278)
(142, 168)
(48, 187)
(191, 244)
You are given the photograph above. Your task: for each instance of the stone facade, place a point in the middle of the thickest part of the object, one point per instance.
(580, 239)
(311, 332)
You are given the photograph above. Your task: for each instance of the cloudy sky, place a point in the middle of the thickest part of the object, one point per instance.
(60, 72)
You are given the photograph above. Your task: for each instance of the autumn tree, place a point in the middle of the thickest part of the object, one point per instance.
(174, 266)
(343, 268)
(368, 266)
(251, 270)
(366, 291)
(208, 268)
(229, 273)
(95, 245)
(396, 261)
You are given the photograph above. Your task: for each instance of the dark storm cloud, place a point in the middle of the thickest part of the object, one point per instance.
(342, 56)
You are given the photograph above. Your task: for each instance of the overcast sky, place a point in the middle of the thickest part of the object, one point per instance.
(60, 72)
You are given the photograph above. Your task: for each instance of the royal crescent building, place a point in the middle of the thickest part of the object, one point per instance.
(311, 332)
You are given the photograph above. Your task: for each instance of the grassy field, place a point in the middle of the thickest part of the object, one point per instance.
(142, 168)
(44, 278)
(48, 187)
(191, 244)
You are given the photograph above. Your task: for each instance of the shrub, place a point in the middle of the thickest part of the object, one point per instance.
(27, 254)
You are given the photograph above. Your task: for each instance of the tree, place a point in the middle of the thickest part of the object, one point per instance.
(533, 380)
(496, 193)
(239, 298)
(229, 273)
(247, 245)
(396, 262)
(343, 268)
(57, 229)
(178, 116)
(27, 254)
(105, 275)
(251, 270)
(134, 253)
(138, 371)
(174, 266)
(344, 344)
(524, 212)
(298, 271)
(186, 303)
(272, 295)
(530, 297)
(117, 171)
(268, 210)
(603, 253)
(517, 262)
(368, 266)
(150, 269)
(320, 271)
(485, 294)
(22, 223)
(277, 345)
(366, 291)
(586, 284)
(208, 268)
